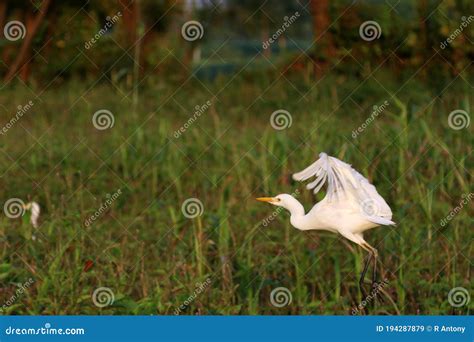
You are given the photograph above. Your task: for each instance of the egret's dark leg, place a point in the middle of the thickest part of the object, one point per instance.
(362, 275)
(374, 273)
(374, 255)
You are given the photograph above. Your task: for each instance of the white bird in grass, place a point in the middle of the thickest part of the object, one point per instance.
(351, 206)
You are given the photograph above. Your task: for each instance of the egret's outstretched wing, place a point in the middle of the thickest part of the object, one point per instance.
(343, 182)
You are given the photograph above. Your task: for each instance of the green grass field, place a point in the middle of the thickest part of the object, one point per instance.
(155, 260)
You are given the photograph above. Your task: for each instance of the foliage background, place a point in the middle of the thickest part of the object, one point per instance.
(142, 70)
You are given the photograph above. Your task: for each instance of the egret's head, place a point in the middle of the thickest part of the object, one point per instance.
(282, 200)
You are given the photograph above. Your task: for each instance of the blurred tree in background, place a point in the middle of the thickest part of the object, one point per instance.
(113, 40)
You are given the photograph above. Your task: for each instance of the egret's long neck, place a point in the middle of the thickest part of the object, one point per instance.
(297, 218)
(295, 208)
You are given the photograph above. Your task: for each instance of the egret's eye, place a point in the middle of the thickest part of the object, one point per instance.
(278, 199)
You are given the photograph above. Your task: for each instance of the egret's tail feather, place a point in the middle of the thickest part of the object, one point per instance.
(381, 220)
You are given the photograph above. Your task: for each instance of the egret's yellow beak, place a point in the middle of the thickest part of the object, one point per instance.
(266, 199)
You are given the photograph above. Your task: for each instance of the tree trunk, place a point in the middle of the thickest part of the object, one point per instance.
(3, 15)
(25, 49)
(6, 49)
(130, 21)
(188, 46)
(422, 46)
(325, 49)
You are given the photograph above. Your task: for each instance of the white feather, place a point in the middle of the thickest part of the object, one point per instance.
(344, 183)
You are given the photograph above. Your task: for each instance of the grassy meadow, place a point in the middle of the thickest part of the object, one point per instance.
(154, 259)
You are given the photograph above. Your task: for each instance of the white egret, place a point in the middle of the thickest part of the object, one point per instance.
(35, 212)
(351, 206)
